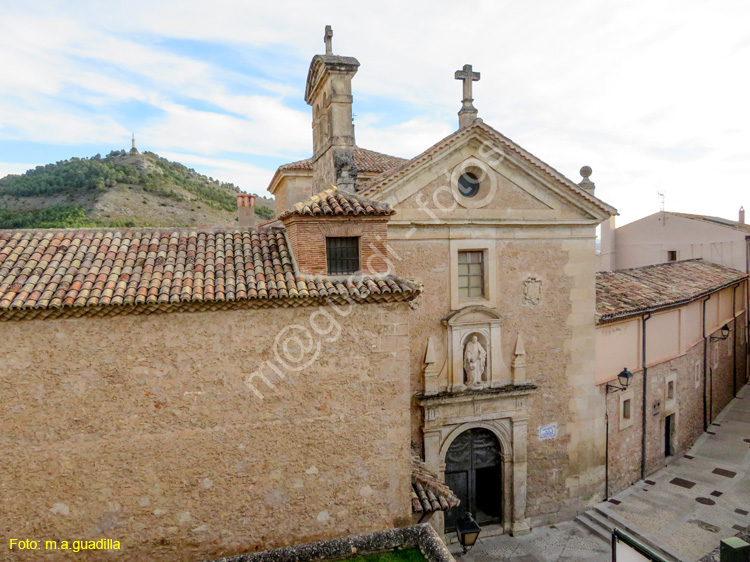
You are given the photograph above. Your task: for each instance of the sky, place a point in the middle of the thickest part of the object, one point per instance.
(653, 95)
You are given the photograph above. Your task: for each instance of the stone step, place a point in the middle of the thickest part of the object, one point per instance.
(612, 519)
(596, 524)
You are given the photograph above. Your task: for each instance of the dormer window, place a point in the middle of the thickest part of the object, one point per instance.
(342, 254)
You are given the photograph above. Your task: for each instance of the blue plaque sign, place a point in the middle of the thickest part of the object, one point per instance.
(548, 431)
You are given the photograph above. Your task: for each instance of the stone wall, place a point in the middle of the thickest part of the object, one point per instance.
(687, 406)
(142, 429)
(565, 474)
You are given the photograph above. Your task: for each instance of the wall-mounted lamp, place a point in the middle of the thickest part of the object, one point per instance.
(623, 380)
(724, 333)
(467, 531)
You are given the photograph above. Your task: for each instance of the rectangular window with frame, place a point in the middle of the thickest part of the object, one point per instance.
(671, 255)
(626, 409)
(342, 253)
(471, 274)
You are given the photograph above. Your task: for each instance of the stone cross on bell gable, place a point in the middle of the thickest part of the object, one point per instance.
(328, 38)
(468, 113)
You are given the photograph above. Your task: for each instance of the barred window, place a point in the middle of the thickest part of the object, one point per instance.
(471, 274)
(343, 254)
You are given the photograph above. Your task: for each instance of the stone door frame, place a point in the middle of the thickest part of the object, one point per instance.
(511, 433)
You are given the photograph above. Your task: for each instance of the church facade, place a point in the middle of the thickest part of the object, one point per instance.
(407, 339)
(501, 340)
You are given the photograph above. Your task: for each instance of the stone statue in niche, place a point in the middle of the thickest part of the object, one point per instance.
(475, 361)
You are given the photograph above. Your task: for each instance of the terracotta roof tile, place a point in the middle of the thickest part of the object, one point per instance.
(366, 161)
(43, 270)
(428, 492)
(336, 202)
(626, 292)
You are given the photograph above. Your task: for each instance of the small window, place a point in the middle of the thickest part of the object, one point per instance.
(671, 255)
(471, 274)
(468, 184)
(670, 390)
(626, 409)
(342, 254)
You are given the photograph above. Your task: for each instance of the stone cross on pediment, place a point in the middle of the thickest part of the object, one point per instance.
(468, 76)
(468, 113)
(328, 38)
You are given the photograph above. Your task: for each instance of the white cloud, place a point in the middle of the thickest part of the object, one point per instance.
(247, 177)
(405, 139)
(651, 95)
(7, 168)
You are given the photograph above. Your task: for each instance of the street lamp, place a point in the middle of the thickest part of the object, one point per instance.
(724, 333)
(467, 531)
(623, 380)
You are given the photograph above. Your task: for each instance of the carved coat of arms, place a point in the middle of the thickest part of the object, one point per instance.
(532, 291)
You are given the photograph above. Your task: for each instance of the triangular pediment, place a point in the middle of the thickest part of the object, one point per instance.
(515, 185)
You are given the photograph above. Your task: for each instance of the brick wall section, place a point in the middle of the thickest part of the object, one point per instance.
(625, 445)
(142, 429)
(307, 237)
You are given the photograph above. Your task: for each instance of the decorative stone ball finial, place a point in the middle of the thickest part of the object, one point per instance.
(586, 183)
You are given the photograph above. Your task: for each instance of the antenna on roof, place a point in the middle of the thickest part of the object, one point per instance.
(662, 196)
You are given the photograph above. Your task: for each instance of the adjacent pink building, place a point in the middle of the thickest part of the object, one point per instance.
(666, 236)
(680, 328)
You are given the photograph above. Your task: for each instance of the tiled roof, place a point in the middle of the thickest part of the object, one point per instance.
(54, 273)
(366, 161)
(334, 201)
(428, 492)
(717, 221)
(626, 292)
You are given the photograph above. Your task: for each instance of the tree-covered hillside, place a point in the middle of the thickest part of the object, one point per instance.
(121, 190)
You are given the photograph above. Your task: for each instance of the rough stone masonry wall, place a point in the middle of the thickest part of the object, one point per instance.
(721, 377)
(625, 445)
(566, 473)
(141, 429)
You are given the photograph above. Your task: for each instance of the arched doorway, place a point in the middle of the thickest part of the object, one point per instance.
(473, 470)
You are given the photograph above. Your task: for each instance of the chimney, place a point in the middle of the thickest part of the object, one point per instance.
(246, 210)
(742, 215)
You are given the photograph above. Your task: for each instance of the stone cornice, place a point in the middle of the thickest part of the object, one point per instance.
(445, 397)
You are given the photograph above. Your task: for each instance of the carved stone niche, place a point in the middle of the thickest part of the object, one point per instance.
(486, 325)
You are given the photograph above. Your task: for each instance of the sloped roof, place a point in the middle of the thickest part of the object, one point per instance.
(53, 273)
(626, 292)
(715, 221)
(334, 201)
(428, 492)
(366, 161)
(381, 182)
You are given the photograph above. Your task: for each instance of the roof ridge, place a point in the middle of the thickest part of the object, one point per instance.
(339, 202)
(623, 293)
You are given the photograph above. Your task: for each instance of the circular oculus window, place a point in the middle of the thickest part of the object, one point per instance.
(468, 184)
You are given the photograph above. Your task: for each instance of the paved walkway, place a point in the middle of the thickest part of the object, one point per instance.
(688, 506)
